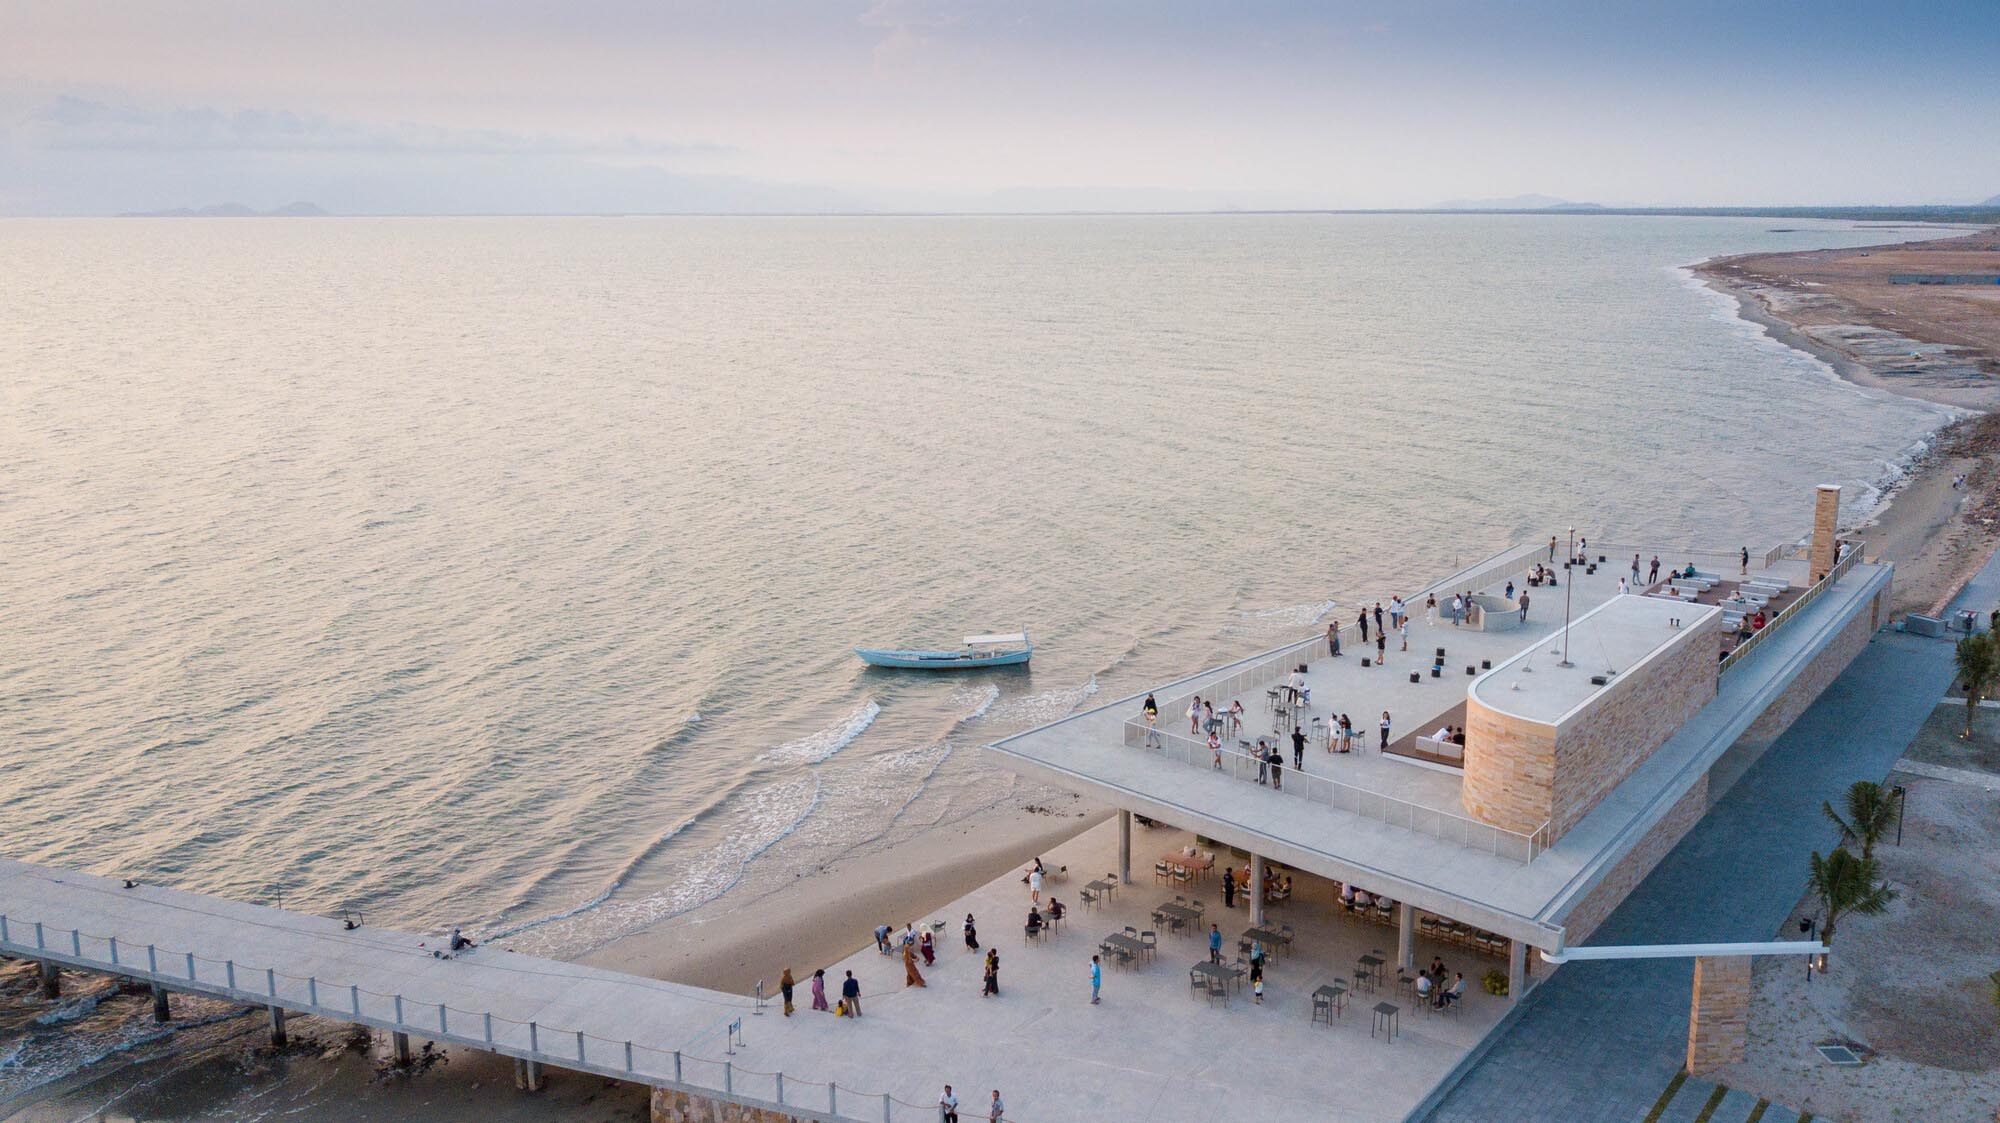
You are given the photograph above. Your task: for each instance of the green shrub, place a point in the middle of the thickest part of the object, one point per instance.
(1496, 982)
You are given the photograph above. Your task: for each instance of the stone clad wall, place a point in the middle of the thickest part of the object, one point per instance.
(1719, 1022)
(670, 1105)
(1627, 720)
(1520, 774)
(1818, 675)
(1587, 914)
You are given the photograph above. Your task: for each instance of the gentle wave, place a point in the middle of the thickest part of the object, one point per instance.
(818, 747)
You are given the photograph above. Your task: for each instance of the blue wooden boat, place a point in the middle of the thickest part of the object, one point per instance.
(979, 651)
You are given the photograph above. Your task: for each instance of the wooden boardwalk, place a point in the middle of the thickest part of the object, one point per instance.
(542, 1011)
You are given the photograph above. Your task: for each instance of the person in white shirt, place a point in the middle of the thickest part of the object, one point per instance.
(1443, 733)
(948, 1106)
(1623, 586)
(1423, 992)
(1035, 887)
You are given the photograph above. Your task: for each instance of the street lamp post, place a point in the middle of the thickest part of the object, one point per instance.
(1569, 587)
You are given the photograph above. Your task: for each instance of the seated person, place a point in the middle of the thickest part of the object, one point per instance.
(1454, 993)
(1437, 968)
(1424, 988)
(1034, 920)
(1285, 886)
(1055, 909)
(459, 942)
(1689, 571)
(1347, 895)
(1757, 622)
(1362, 900)
(1458, 736)
(1443, 733)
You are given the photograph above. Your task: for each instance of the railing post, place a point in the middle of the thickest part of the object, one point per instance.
(677, 1066)
(781, 1088)
(312, 990)
(832, 1098)
(152, 959)
(443, 1026)
(229, 972)
(728, 1078)
(399, 1009)
(354, 996)
(76, 942)
(579, 1047)
(534, 1040)
(3, 928)
(271, 981)
(886, 1109)
(489, 1027)
(190, 966)
(628, 1061)
(114, 951)
(38, 936)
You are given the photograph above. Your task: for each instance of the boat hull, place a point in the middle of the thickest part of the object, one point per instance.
(943, 660)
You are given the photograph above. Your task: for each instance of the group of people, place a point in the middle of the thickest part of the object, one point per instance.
(1452, 734)
(849, 1005)
(1236, 882)
(1431, 986)
(948, 1107)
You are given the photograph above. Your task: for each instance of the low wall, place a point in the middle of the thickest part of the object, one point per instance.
(673, 1106)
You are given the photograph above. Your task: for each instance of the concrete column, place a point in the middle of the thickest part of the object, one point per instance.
(1719, 1019)
(1517, 969)
(51, 980)
(1826, 527)
(1125, 847)
(160, 1011)
(1406, 935)
(528, 1075)
(277, 1025)
(400, 1046)
(1256, 890)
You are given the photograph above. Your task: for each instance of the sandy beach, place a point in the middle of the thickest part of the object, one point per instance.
(1937, 343)
(1937, 534)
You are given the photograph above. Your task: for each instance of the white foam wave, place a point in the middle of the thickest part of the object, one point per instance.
(1300, 615)
(980, 701)
(817, 747)
(1039, 709)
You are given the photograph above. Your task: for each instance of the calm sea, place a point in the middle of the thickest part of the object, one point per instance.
(504, 572)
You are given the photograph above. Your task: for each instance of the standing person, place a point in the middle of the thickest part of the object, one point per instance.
(1333, 638)
(1035, 884)
(1096, 978)
(1215, 748)
(1385, 729)
(911, 976)
(1381, 647)
(1457, 609)
(850, 993)
(1623, 587)
(1746, 561)
(1215, 943)
(1396, 611)
(785, 985)
(1229, 889)
(1653, 572)
(929, 947)
(1152, 711)
(1263, 763)
(1257, 978)
(882, 939)
(1346, 734)
(1524, 606)
(994, 1114)
(1552, 548)
(1635, 569)
(819, 990)
(1277, 760)
(993, 972)
(1404, 629)
(971, 934)
(947, 1107)
(1194, 715)
(1378, 617)
(1298, 747)
(1431, 611)
(1361, 618)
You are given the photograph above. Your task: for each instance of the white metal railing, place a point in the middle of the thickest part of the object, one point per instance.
(1388, 809)
(1506, 563)
(1270, 668)
(719, 1078)
(1811, 594)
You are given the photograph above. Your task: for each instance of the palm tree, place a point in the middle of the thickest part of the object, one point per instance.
(1978, 665)
(1846, 884)
(1870, 811)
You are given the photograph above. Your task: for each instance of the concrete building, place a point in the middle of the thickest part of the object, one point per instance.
(1591, 743)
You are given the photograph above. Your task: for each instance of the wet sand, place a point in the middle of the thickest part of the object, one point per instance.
(1934, 342)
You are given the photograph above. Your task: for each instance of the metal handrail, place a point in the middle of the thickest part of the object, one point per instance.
(1391, 810)
(348, 1002)
(1811, 594)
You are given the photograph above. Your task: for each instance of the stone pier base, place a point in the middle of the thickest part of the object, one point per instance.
(1719, 1022)
(674, 1106)
(399, 1044)
(51, 980)
(277, 1025)
(160, 1011)
(528, 1075)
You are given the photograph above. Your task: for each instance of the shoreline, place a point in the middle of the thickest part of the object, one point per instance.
(1937, 532)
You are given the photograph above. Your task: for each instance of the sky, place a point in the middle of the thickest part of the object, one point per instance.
(512, 106)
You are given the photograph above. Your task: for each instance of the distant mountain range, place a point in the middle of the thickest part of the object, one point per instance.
(1516, 203)
(233, 210)
(1993, 202)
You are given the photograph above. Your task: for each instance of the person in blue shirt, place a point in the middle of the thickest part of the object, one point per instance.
(1215, 943)
(1096, 978)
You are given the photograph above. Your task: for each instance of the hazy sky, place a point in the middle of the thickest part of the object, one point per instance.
(591, 105)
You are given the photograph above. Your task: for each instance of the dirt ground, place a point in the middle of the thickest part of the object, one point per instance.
(1908, 990)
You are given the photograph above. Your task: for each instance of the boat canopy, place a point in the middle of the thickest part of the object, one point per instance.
(991, 641)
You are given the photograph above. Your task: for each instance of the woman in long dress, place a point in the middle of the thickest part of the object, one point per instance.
(819, 990)
(928, 947)
(785, 985)
(911, 976)
(992, 972)
(971, 934)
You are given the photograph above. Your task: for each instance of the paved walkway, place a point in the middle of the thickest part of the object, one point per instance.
(1735, 876)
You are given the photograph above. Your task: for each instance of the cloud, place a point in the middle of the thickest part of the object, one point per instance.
(909, 25)
(77, 124)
